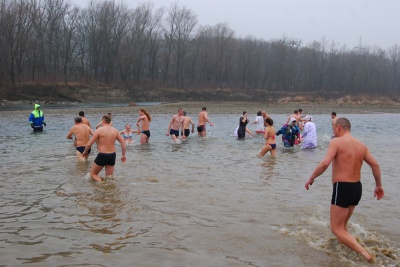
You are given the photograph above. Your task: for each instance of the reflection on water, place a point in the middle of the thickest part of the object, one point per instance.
(205, 202)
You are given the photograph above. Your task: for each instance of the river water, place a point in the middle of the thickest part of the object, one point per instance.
(206, 202)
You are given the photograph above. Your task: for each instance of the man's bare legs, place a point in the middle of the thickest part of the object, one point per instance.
(339, 219)
(94, 172)
(143, 139)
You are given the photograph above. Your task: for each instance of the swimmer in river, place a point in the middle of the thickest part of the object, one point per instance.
(82, 133)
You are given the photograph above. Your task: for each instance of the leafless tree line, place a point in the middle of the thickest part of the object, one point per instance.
(109, 43)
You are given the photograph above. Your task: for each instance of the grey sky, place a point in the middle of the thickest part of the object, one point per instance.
(342, 21)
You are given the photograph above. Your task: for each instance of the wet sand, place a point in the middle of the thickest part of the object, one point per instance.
(235, 108)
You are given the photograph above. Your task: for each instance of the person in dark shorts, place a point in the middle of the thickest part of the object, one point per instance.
(347, 155)
(186, 124)
(105, 137)
(82, 133)
(203, 119)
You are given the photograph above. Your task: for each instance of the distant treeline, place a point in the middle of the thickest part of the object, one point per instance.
(45, 41)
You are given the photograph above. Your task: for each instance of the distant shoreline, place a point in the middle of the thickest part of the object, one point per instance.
(220, 107)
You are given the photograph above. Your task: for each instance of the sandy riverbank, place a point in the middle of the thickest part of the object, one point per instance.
(234, 108)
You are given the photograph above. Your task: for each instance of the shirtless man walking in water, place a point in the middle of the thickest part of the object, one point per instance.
(175, 124)
(203, 118)
(105, 138)
(186, 123)
(82, 133)
(347, 155)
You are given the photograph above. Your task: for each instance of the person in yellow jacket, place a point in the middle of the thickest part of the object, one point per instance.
(36, 119)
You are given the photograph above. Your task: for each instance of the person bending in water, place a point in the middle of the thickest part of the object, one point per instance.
(347, 155)
(290, 133)
(105, 138)
(82, 133)
(270, 143)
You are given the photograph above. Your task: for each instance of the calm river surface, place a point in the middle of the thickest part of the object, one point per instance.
(206, 202)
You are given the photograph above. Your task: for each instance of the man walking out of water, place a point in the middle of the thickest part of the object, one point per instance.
(347, 155)
(105, 138)
(36, 119)
(186, 123)
(203, 119)
(175, 124)
(82, 134)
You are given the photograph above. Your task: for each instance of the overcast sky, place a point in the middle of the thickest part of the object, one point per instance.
(376, 22)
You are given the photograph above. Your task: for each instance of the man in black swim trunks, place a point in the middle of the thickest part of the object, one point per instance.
(105, 138)
(186, 124)
(347, 155)
(82, 133)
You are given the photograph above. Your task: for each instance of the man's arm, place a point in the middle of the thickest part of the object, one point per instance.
(91, 142)
(324, 164)
(207, 120)
(123, 147)
(376, 171)
(170, 123)
(70, 133)
(192, 125)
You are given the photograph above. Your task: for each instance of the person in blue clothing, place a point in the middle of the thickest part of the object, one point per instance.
(36, 119)
(290, 133)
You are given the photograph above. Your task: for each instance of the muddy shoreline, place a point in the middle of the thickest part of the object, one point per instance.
(224, 107)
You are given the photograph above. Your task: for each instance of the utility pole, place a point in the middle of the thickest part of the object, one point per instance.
(360, 48)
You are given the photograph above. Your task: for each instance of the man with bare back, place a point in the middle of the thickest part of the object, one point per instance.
(82, 133)
(203, 119)
(105, 137)
(347, 155)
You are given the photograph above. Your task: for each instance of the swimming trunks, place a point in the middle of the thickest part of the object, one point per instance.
(127, 136)
(147, 133)
(82, 148)
(187, 132)
(174, 132)
(201, 128)
(346, 194)
(104, 159)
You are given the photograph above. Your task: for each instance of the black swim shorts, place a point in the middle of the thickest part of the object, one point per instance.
(104, 159)
(346, 194)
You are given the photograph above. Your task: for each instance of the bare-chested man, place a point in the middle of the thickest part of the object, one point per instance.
(175, 124)
(203, 119)
(84, 119)
(347, 155)
(82, 133)
(105, 138)
(186, 124)
(296, 116)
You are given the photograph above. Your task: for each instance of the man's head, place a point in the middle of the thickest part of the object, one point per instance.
(184, 113)
(81, 113)
(180, 112)
(296, 112)
(204, 108)
(106, 119)
(37, 106)
(78, 120)
(300, 110)
(333, 114)
(342, 125)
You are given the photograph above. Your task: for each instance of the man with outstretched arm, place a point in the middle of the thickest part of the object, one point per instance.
(347, 155)
(105, 138)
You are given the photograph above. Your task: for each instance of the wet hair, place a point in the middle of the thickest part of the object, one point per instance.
(106, 118)
(78, 119)
(184, 113)
(145, 113)
(269, 121)
(203, 108)
(296, 111)
(81, 113)
(343, 123)
(258, 113)
(244, 112)
(300, 110)
(333, 113)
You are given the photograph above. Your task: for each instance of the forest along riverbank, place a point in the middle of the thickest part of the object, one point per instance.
(216, 108)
